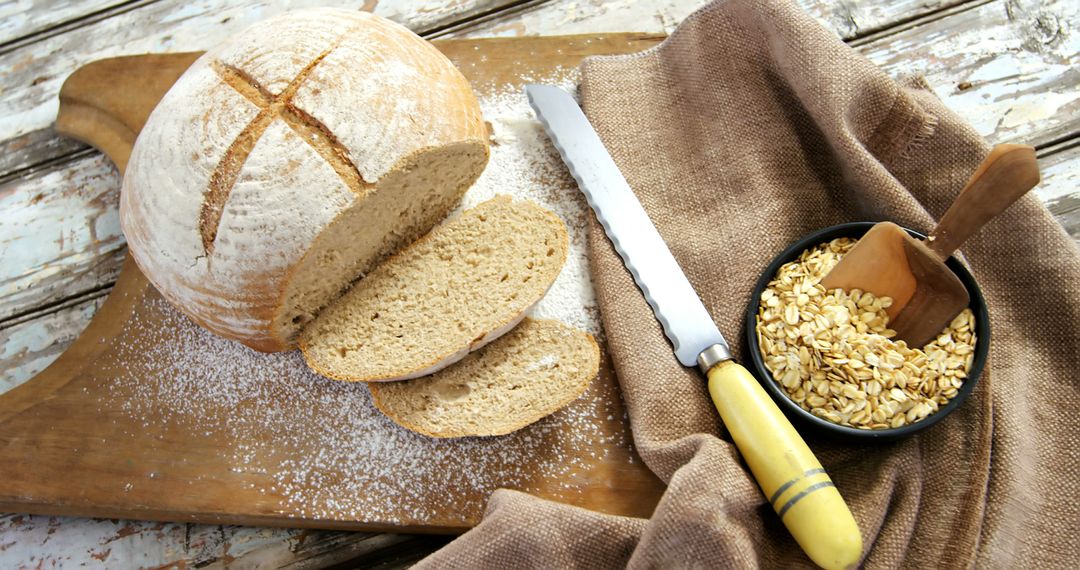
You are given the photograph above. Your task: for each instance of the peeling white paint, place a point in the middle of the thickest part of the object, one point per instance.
(1016, 88)
(1037, 111)
(30, 347)
(55, 227)
(1060, 178)
(20, 18)
(979, 46)
(32, 76)
(62, 542)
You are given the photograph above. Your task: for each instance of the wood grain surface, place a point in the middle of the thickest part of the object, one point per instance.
(17, 22)
(73, 446)
(980, 55)
(957, 45)
(32, 76)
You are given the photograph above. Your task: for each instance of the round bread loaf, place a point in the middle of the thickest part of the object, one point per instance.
(290, 160)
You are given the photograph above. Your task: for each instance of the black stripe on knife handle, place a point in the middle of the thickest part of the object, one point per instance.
(788, 485)
(799, 497)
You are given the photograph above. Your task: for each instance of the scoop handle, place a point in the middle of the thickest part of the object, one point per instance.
(800, 491)
(1006, 174)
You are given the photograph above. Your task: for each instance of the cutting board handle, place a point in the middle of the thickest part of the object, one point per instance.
(96, 112)
(69, 446)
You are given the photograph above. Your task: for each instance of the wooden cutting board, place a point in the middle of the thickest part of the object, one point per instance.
(147, 417)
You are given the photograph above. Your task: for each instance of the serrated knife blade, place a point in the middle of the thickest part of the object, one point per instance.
(801, 493)
(674, 301)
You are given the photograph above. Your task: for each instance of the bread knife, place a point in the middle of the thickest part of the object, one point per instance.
(801, 492)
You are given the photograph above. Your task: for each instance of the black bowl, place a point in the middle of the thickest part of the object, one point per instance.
(793, 410)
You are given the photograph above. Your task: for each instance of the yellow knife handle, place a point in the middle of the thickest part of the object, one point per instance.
(791, 477)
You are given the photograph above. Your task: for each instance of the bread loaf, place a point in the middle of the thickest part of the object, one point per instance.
(290, 160)
(461, 286)
(530, 373)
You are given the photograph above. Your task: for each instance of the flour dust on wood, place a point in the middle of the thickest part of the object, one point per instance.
(329, 453)
(525, 164)
(323, 447)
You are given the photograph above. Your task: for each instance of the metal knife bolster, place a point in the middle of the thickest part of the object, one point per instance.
(676, 304)
(713, 355)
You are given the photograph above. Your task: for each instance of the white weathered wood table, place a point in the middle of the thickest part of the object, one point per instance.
(1010, 67)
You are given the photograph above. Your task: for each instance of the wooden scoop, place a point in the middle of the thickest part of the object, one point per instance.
(926, 294)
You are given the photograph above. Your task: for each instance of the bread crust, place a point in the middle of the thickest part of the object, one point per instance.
(571, 395)
(375, 98)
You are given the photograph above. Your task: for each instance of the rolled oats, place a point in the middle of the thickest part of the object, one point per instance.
(833, 353)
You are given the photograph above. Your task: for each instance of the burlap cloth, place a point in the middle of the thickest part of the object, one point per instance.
(749, 127)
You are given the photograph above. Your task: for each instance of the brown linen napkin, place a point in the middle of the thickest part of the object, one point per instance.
(751, 126)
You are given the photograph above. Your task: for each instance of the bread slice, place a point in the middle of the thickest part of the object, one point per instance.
(461, 286)
(534, 370)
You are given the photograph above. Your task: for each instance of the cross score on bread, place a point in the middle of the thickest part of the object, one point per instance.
(250, 231)
(271, 107)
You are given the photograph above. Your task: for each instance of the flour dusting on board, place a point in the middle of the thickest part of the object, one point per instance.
(319, 447)
(525, 164)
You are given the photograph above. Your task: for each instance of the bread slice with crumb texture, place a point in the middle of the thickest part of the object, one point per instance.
(467, 282)
(534, 370)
